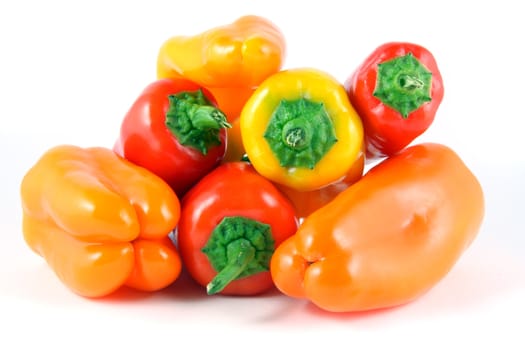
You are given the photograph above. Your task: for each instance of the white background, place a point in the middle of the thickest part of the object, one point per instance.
(69, 70)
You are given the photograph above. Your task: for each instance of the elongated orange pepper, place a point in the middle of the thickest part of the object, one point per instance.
(99, 221)
(388, 238)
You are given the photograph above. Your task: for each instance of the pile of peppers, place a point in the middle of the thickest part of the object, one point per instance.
(250, 177)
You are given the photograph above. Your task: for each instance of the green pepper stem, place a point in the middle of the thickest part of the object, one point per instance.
(300, 132)
(242, 254)
(403, 84)
(238, 247)
(297, 133)
(208, 117)
(410, 82)
(194, 121)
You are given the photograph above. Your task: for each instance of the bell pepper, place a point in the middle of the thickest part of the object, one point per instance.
(229, 60)
(306, 202)
(396, 91)
(300, 130)
(174, 130)
(231, 222)
(388, 238)
(99, 221)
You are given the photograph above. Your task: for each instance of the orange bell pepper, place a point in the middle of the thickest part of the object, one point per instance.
(99, 221)
(388, 238)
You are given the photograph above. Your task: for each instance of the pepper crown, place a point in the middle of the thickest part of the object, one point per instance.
(194, 121)
(300, 132)
(238, 247)
(403, 83)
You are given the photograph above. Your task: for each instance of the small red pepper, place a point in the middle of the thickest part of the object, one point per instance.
(231, 222)
(174, 130)
(396, 91)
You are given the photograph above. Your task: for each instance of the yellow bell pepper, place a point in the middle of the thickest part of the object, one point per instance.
(300, 130)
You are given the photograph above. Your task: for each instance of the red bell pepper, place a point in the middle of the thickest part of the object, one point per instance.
(396, 91)
(231, 222)
(174, 130)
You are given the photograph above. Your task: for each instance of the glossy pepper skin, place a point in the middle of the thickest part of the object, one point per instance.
(231, 222)
(174, 130)
(396, 91)
(306, 202)
(235, 149)
(300, 130)
(99, 221)
(388, 238)
(229, 60)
